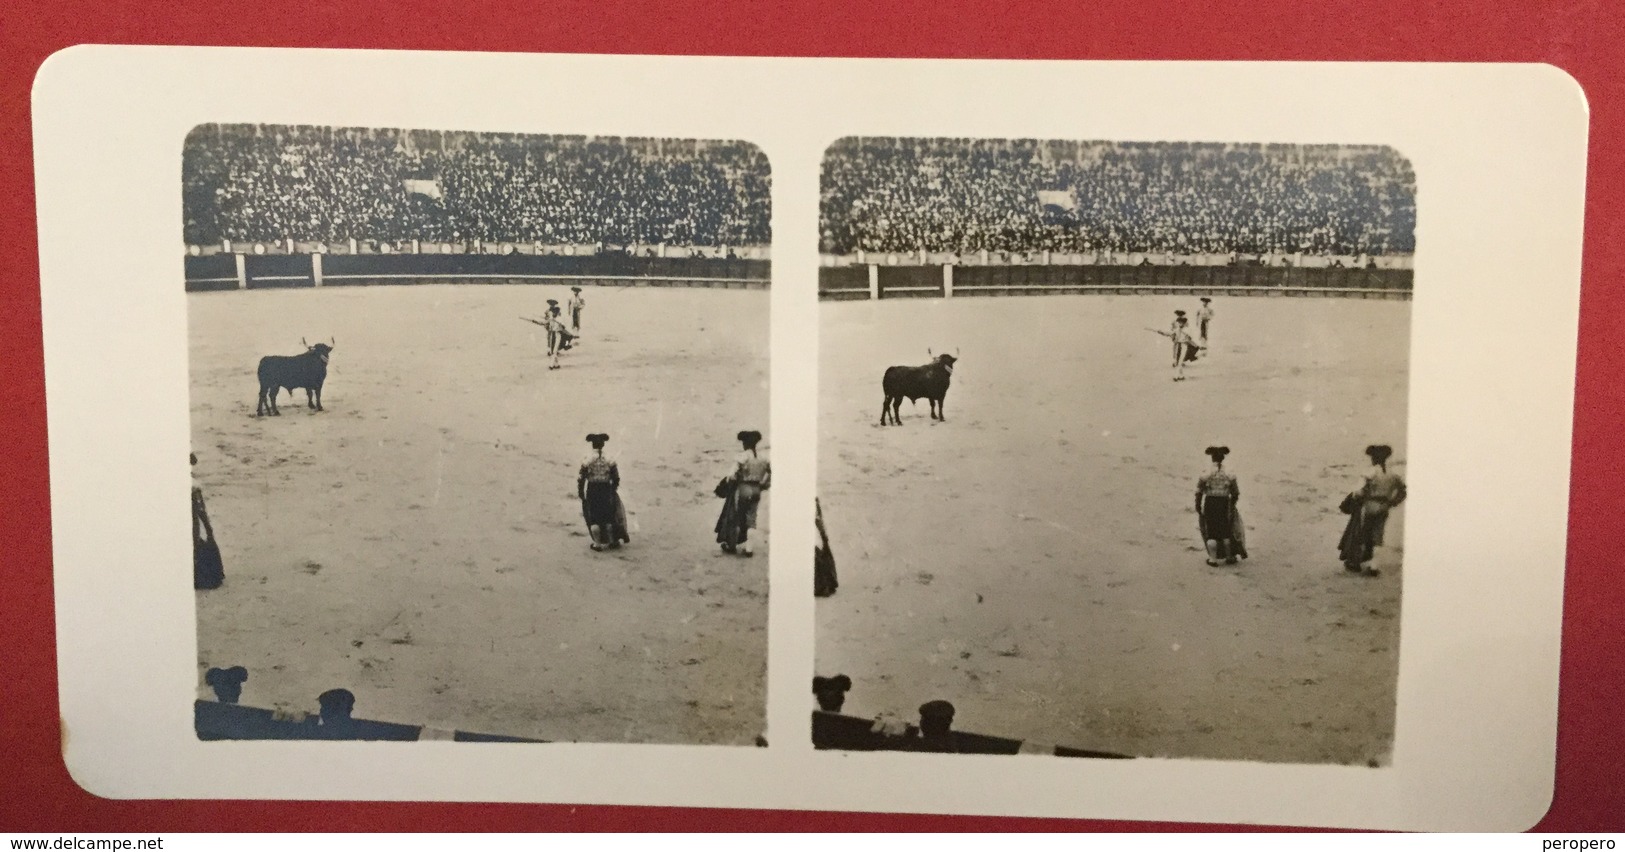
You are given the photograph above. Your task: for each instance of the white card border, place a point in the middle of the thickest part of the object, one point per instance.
(1499, 152)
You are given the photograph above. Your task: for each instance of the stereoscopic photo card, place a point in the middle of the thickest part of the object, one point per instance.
(1154, 441)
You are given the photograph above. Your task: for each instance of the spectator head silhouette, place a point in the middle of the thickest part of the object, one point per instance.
(831, 692)
(336, 706)
(227, 683)
(936, 718)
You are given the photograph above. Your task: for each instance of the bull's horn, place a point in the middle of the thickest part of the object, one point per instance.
(303, 343)
(333, 341)
(929, 352)
(956, 351)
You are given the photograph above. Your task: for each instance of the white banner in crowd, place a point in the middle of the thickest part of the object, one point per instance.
(423, 187)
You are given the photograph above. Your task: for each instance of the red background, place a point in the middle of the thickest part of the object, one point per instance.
(1583, 37)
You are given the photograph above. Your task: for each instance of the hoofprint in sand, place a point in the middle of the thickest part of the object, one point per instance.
(1035, 558)
(420, 542)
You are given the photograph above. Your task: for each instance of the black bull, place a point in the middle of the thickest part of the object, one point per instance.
(927, 380)
(307, 370)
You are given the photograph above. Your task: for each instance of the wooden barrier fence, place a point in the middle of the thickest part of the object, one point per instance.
(266, 271)
(889, 282)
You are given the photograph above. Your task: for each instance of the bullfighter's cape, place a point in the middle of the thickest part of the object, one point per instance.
(1192, 347)
(728, 520)
(620, 530)
(566, 336)
(824, 580)
(208, 569)
(1353, 546)
(730, 527)
(1238, 531)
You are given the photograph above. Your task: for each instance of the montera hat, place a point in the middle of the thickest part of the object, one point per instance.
(341, 700)
(750, 436)
(1379, 453)
(838, 683)
(233, 676)
(1217, 453)
(598, 438)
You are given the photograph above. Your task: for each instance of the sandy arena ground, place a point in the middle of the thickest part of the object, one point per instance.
(420, 542)
(1035, 559)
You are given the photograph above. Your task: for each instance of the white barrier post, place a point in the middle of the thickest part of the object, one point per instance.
(352, 245)
(417, 247)
(316, 269)
(874, 281)
(242, 272)
(948, 280)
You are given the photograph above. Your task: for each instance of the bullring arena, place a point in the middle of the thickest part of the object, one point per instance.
(413, 562)
(1034, 559)
(420, 543)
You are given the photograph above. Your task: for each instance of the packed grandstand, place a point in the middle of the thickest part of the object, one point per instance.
(961, 195)
(271, 183)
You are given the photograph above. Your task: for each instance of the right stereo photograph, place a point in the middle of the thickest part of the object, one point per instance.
(1112, 450)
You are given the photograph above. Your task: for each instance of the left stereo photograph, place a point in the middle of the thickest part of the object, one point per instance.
(479, 431)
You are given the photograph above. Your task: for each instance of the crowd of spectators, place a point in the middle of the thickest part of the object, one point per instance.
(257, 182)
(960, 195)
